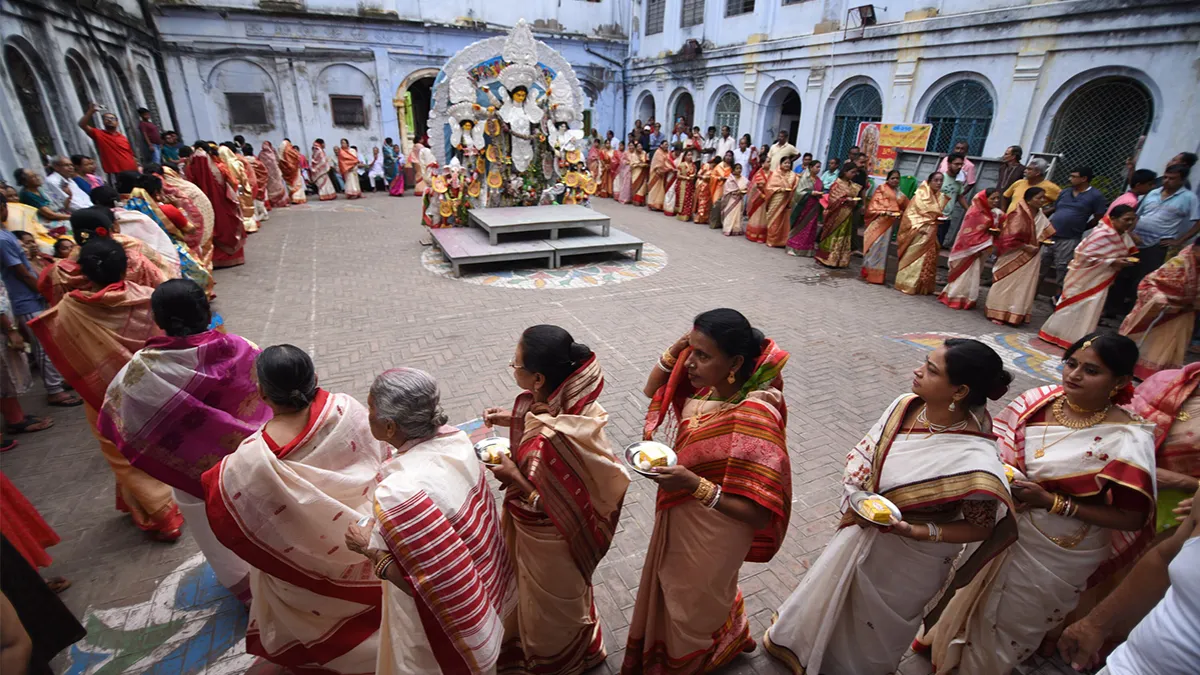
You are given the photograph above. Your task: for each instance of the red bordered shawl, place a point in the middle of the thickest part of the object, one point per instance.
(1117, 474)
(584, 508)
(744, 450)
(1166, 292)
(1159, 399)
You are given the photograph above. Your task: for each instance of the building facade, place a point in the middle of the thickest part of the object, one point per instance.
(338, 69)
(1083, 78)
(58, 57)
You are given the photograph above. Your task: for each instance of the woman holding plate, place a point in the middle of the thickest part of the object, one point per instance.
(563, 493)
(1084, 471)
(932, 456)
(718, 390)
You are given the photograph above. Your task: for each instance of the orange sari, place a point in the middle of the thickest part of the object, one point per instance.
(703, 194)
(347, 164)
(89, 337)
(881, 216)
(780, 187)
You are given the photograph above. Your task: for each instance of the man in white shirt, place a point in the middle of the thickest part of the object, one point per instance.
(725, 143)
(780, 150)
(64, 195)
(709, 149)
(375, 179)
(741, 156)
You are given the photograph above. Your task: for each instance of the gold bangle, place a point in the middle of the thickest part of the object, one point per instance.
(668, 358)
(704, 490)
(381, 565)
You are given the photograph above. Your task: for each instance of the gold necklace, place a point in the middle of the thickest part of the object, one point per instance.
(1061, 417)
(698, 420)
(1081, 410)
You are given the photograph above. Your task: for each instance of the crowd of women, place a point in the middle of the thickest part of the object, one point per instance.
(366, 539)
(813, 214)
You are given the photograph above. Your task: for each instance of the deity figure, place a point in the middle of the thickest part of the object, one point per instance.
(522, 112)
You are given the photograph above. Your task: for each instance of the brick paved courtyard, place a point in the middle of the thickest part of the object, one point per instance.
(344, 280)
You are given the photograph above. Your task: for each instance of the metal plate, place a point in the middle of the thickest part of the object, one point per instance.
(482, 448)
(632, 450)
(858, 497)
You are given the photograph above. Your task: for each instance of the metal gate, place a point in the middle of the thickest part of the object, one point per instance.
(861, 103)
(960, 112)
(1098, 127)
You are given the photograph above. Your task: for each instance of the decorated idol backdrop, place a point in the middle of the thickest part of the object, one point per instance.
(506, 123)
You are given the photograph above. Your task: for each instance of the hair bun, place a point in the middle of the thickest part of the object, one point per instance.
(579, 353)
(1000, 386)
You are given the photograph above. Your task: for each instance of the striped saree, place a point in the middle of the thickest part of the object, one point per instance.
(563, 450)
(689, 616)
(1161, 321)
(1085, 288)
(435, 514)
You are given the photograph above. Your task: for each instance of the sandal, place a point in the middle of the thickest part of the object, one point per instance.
(30, 424)
(58, 584)
(11, 444)
(68, 400)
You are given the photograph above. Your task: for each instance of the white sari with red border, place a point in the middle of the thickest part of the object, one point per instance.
(435, 514)
(1001, 617)
(285, 510)
(861, 604)
(1085, 287)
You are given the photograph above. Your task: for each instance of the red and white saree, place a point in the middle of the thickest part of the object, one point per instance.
(689, 616)
(435, 514)
(1016, 272)
(1161, 321)
(971, 245)
(284, 508)
(1001, 617)
(562, 449)
(1085, 288)
(859, 606)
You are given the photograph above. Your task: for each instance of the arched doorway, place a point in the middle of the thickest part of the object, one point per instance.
(684, 109)
(413, 100)
(1098, 127)
(29, 95)
(646, 108)
(861, 103)
(728, 112)
(960, 112)
(781, 111)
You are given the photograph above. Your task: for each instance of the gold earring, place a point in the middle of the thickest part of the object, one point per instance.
(1114, 392)
(732, 377)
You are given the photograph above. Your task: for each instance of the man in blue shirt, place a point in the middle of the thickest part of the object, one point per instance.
(656, 137)
(21, 284)
(1168, 217)
(1076, 211)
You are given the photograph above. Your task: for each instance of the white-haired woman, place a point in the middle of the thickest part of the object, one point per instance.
(449, 586)
(281, 502)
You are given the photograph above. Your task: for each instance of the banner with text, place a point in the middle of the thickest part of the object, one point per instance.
(880, 142)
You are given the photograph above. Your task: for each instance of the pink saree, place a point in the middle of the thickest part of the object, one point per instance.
(181, 404)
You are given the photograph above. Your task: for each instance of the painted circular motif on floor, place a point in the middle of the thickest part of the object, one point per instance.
(590, 272)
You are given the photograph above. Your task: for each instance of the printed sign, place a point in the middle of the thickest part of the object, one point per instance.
(880, 141)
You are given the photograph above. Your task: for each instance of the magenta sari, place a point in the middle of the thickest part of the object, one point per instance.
(396, 189)
(181, 404)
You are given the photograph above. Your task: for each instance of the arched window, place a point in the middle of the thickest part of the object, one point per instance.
(30, 97)
(1098, 127)
(860, 103)
(148, 94)
(646, 108)
(729, 111)
(684, 109)
(75, 71)
(960, 112)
